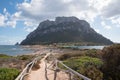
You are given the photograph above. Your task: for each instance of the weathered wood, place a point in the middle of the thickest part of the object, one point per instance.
(55, 62)
(56, 69)
(46, 70)
(27, 69)
(80, 75)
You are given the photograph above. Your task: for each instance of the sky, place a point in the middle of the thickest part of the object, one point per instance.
(20, 17)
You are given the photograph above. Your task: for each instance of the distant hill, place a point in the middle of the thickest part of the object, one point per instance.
(63, 30)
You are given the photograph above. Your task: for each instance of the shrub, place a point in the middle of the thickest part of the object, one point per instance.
(4, 56)
(64, 56)
(25, 57)
(111, 67)
(92, 53)
(8, 73)
(87, 66)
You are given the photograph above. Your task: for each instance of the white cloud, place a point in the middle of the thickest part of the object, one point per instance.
(11, 40)
(2, 20)
(29, 28)
(11, 23)
(41, 9)
(31, 12)
(6, 20)
(105, 25)
(112, 9)
(115, 20)
(97, 30)
(99, 4)
(30, 23)
(4, 10)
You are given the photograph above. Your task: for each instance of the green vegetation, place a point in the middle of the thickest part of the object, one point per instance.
(77, 53)
(25, 57)
(93, 53)
(95, 64)
(4, 56)
(111, 67)
(17, 62)
(8, 73)
(85, 61)
(10, 66)
(87, 66)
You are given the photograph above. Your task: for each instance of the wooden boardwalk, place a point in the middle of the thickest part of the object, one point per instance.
(46, 74)
(49, 70)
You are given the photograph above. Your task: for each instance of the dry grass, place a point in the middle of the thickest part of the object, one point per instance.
(18, 62)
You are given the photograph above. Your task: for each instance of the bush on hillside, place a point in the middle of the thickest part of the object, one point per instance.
(8, 73)
(25, 57)
(87, 66)
(111, 57)
(4, 56)
(93, 53)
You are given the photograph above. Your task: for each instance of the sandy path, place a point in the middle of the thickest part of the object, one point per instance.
(41, 73)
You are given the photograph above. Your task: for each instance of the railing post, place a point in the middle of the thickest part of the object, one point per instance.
(56, 69)
(70, 76)
(80, 75)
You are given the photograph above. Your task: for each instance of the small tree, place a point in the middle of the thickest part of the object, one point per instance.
(111, 57)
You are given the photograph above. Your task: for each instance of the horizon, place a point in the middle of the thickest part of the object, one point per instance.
(20, 17)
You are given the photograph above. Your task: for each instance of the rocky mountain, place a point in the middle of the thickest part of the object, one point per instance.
(63, 30)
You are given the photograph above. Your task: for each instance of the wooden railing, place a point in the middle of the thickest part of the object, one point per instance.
(27, 69)
(54, 63)
(71, 72)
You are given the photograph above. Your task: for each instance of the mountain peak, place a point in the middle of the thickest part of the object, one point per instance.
(63, 30)
(66, 19)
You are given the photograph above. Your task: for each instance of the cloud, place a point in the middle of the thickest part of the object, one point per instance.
(32, 12)
(41, 9)
(11, 40)
(97, 30)
(116, 20)
(6, 20)
(105, 25)
(29, 26)
(2, 20)
(112, 9)
(11, 23)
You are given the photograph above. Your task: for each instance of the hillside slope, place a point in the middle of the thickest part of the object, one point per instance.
(62, 30)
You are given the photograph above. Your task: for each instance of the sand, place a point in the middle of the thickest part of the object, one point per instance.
(43, 73)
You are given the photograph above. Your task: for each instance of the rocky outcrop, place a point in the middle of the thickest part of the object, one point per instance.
(63, 30)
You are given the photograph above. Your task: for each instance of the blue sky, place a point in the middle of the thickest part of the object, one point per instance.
(19, 17)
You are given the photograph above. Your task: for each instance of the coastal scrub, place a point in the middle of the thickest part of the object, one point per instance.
(8, 73)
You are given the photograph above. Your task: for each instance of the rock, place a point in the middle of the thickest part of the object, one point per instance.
(17, 43)
(64, 30)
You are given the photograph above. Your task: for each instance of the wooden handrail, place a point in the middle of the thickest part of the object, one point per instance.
(73, 71)
(27, 69)
(30, 65)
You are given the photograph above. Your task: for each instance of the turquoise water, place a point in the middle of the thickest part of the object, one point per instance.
(86, 47)
(14, 50)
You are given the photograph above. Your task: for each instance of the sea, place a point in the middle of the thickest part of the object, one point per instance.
(14, 50)
(86, 47)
